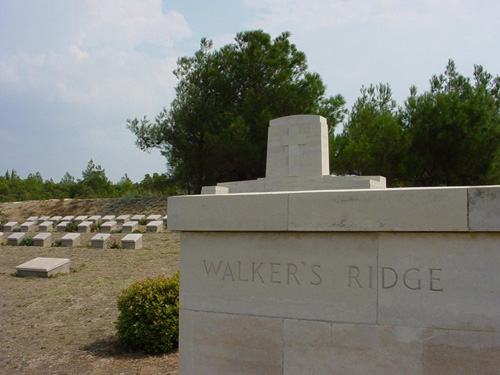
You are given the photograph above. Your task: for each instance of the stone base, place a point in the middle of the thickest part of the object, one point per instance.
(109, 226)
(130, 226)
(154, 227)
(71, 240)
(132, 241)
(99, 241)
(42, 240)
(46, 226)
(84, 227)
(43, 267)
(15, 238)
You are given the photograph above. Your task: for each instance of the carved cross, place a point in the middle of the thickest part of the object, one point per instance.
(293, 140)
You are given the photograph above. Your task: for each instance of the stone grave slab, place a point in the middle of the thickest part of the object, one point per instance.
(32, 218)
(11, 226)
(61, 227)
(46, 226)
(68, 218)
(154, 226)
(71, 240)
(15, 238)
(130, 226)
(100, 240)
(137, 217)
(165, 220)
(42, 240)
(132, 241)
(43, 267)
(122, 219)
(80, 219)
(109, 226)
(55, 218)
(108, 218)
(28, 226)
(151, 218)
(94, 218)
(41, 219)
(84, 226)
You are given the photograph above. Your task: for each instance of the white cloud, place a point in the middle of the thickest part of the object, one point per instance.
(100, 65)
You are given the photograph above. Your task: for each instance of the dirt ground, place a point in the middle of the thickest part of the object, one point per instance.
(65, 325)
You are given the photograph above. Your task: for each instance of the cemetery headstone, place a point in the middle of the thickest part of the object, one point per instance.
(109, 226)
(61, 227)
(15, 238)
(132, 241)
(68, 218)
(306, 273)
(137, 217)
(42, 240)
(55, 218)
(108, 218)
(11, 226)
(100, 240)
(43, 267)
(46, 226)
(151, 218)
(70, 240)
(33, 219)
(154, 227)
(122, 219)
(42, 219)
(80, 219)
(84, 227)
(28, 226)
(95, 218)
(130, 226)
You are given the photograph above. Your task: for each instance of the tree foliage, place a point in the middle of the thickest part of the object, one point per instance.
(216, 127)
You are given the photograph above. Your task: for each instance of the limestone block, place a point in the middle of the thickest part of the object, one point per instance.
(94, 218)
(46, 226)
(431, 280)
(100, 240)
(42, 240)
(55, 218)
(80, 219)
(42, 219)
(108, 218)
(450, 352)
(165, 220)
(130, 226)
(214, 190)
(155, 226)
(233, 212)
(312, 348)
(122, 219)
(71, 240)
(109, 226)
(305, 276)
(137, 217)
(151, 218)
(15, 238)
(413, 209)
(61, 227)
(33, 218)
(84, 226)
(68, 218)
(132, 241)
(43, 267)
(212, 343)
(11, 226)
(28, 226)
(484, 208)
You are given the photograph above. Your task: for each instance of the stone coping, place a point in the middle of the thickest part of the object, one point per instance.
(429, 209)
(42, 264)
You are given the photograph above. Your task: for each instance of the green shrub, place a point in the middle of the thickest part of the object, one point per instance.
(96, 227)
(149, 315)
(143, 221)
(114, 244)
(72, 227)
(26, 241)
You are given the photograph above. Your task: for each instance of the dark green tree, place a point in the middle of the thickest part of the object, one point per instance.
(94, 184)
(455, 129)
(374, 141)
(216, 127)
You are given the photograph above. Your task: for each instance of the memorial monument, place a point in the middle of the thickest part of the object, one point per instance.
(305, 273)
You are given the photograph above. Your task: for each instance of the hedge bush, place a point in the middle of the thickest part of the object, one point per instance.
(149, 315)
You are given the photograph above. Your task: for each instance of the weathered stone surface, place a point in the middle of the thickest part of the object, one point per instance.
(138, 217)
(61, 227)
(154, 226)
(109, 226)
(94, 218)
(71, 240)
(43, 267)
(68, 218)
(229, 344)
(11, 226)
(33, 219)
(84, 226)
(80, 219)
(484, 208)
(42, 240)
(55, 218)
(100, 240)
(15, 238)
(46, 226)
(132, 241)
(28, 226)
(108, 218)
(42, 219)
(151, 218)
(130, 226)
(120, 220)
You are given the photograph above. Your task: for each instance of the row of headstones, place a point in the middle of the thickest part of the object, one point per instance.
(109, 223)
(99, 241)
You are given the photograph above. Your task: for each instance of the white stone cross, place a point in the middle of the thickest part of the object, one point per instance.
(293, 140)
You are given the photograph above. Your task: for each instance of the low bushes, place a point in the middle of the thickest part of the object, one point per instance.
(149, 315)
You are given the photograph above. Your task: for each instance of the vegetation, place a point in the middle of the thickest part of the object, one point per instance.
(27, 241)
(216, 128)
(94, 184)
(149, 315)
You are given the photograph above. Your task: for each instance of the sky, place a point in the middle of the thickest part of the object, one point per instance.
(73, 71)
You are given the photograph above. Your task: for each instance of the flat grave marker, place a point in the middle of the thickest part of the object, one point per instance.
(61, 227)
(132, 241)
(108, 218)
(71, 240)
(154, 226)
(151, 218)
(100, 240)
(130, 226)
(42, 240)
(43, 267)
(84, 227)
(15, 238)
(80, 219)
(46, 226)
(56, 218)
(42, 219)
(28, 226)
(109, 226)
(11, 226)
(137, 217)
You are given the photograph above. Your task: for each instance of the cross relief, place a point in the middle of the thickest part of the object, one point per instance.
(293, 140)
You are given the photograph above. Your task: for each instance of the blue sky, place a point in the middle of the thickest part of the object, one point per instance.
(73, 71)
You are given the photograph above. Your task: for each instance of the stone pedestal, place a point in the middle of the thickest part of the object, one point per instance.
(71, 240)
(132, 241)
(154, 226)
(43, 240)
(43, 267)
(100, 240)
(130, 226)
